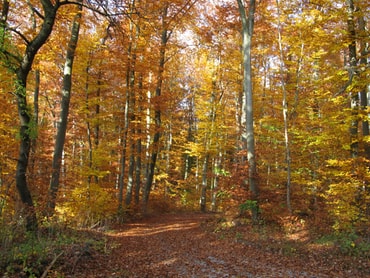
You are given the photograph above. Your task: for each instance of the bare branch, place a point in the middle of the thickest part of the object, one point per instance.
(99, 9)
(14, 30)
(51, 265)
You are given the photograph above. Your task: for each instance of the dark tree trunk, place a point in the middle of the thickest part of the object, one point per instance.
(62, 127)
(157, 112)
(355, 101)
(25, 130)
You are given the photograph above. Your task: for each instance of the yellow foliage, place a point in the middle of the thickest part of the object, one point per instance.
(347, 199)
(89, 205)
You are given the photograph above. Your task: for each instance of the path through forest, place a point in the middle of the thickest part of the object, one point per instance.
(179, 245)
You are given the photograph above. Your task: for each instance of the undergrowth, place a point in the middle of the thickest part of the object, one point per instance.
(25, 254)
(291, 235)
(348, 243)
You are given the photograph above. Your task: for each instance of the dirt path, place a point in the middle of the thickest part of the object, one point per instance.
(178, 246)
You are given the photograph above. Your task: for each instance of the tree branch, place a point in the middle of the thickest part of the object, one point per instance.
(348, 83)
(19, 34)
(103, 12)
(44, 275)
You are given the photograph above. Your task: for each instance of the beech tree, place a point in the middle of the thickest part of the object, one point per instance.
(165, 106)
(169, 19)
(21, 65)
(247, 105)
(19, 61)
(62, 125)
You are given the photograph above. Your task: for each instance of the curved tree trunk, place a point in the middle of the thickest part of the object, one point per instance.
(25, 130)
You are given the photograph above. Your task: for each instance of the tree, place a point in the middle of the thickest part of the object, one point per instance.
(247, 105)
(285, 115)
(165, 35)
(20, 65)
(62, 126)
(19, 60)
(170, 16)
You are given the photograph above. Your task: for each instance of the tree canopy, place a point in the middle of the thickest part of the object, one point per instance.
(157, 117)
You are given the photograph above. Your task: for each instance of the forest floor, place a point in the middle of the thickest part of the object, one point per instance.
(197, 245)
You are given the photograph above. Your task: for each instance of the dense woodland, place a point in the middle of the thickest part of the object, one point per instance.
(113, 108)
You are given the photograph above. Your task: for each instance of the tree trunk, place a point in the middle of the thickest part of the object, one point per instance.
(138, 146)
(352, 68)
(22, 70)
(203, 193)
(285, 117)
(35, 118)
(364, 94)
(216, 174)
(247, 105)
(62, 127)
(131, 117)
(124, 151)
(157, 112)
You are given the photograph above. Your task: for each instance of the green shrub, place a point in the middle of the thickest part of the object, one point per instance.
(349, 243)
(248, 205)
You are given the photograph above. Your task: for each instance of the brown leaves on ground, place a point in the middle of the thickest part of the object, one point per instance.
(188, 245)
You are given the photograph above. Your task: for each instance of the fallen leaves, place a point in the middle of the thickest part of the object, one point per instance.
(178, 245)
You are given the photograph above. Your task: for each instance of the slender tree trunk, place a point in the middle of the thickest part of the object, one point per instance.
(131, 163)
(62, 127)
(123, 156)
(157, 112)
(88, 128)
(216, 175)
(138, 163)
(247, 105)
(189, 161)
(138, 169)
(131, 94)
(352, 68)
(93, 132)
(126, 139)
(130, 175)
(285, 117)
(203, 193)
(90, 147)
(168, 150)
(364, 94)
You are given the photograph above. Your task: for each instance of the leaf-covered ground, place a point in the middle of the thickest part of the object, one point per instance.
(192, 245)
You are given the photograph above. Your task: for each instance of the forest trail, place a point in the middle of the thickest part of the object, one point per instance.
(179, 245)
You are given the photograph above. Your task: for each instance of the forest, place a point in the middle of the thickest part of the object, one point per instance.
(256, 111)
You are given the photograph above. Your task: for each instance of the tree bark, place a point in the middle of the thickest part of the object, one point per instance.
(364, 94)
(247, 105)
(25, 131)
(352, 68)
(131, 117)
(216, 176)
(285, 117)
(157, 112)
(62, 127)
(138, 145)
(203, 193)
